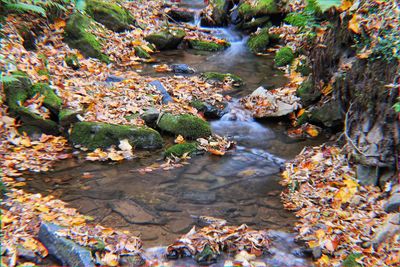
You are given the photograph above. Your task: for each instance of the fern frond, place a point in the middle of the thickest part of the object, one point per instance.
(22, 7)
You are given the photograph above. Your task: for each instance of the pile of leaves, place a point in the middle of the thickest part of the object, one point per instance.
(220, 238)
(336, 214)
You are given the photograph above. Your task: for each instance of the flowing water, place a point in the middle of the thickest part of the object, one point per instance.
(241, 187)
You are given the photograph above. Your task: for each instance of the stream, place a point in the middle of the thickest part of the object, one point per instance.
(241, 187)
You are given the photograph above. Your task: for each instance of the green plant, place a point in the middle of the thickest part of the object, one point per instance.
(284, 56)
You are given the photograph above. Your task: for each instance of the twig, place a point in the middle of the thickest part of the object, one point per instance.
(346, 133)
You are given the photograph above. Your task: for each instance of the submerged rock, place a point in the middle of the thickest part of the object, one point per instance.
(189, 126)
(78, 35)
(103, 135)
(66, 251)
(134, 213)
(259, 41)
(222, 77)
(208, 45)
(111, 15)
(166, 39)
(179, 150)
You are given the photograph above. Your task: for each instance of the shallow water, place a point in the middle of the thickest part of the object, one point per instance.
(241, 187)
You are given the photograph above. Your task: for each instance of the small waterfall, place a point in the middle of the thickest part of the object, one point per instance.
(239, 124)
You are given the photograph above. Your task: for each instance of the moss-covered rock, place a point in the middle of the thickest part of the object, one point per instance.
(102, 135)
(140, 52)
(219, 14)
(30, 130)
(35, 120)
(222, 77)
(67, 117)
(166, 39)
(303, 68)
(72, 61)
(207, 45)
(17, 91)
(307, 93)
(111, 15)
(77, 36)
(262, 7)
(189, 126)
(284, 56)
(179, 150)
(259, 41)
(51, 100)
(329, 114)
(253, 25)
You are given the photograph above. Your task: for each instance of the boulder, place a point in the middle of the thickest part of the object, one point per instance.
(180, 15)
(77, 35)
(66, 251)
(261, 8)
(66, 117)
(254, 24)
(103, 135)
(307, 93)
(393, 203)
(329, 114)
(259, 41)
(284, 56)
(208, 45)
(189, 126)
(31, 119)
(182, 69)
(179, 150)
(219, 14)
(166, 39)
(210, 111)
(222, 77)
(17, 91)
(51, 101)
(111, 15)
(114, 79)
(166, 98)
(150, 116)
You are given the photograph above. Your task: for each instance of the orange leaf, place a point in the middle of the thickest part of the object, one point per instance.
(59, 23)
(216, 152)
(354, 24)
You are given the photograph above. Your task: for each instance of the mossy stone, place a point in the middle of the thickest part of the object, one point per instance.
(179, 150)
(32, 119)
(307, 93)
(328, 115)
(284, 56)
(140, 52)
(67, 116)
(207, 45)
(17, 91)
(51, 100)
(72, 61)
(255, 24)
(166, 39)
(103, 135)
(189, 126)
(77, 36)
(30, 130)
(221, 77)
(262, 7)
(303, 68)
(259, 42)
(111, 15)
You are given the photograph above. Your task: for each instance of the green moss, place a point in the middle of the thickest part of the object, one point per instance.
(263, 7)
(17, 91)
(207, 46)
(77, 36)
(189, 126)
(307, 93)
(199, 105)
(207, 256)
(350, 261)
(221, 77)
(180, 149)
(166, 39)
(255, 24)
(67, 117)
(259, 42)
(3, 189)
(51, 100)
(284, 56)
(111, 15)
(72, 61)
(44, 72)
(29, 130)
(140, 52)
(102, 135)
(303, 68)
(32, 119)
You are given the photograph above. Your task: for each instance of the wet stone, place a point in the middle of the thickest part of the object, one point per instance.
(181, 225)
(199, 197)
(182, 69)
(97, 194)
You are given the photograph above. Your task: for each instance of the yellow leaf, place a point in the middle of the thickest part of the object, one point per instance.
(312, 131)
(320, 234)
(19, 184)
(350, 183)
(327, 89)
(114, 156)
(59, 23)
(26, 142)
(147, 49)
(313, 244)
(346, 4)
(180, 139)
(42, 208)
(324, 260)
(110, 259)
(354, 24)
